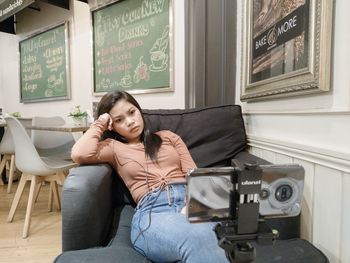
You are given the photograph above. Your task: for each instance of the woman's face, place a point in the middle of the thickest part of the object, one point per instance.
(127, 121)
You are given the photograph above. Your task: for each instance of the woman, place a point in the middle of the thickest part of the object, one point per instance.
(153, 167)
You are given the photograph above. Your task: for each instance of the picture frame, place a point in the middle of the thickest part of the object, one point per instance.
(286, 48)
(132, 46)
(44, 63)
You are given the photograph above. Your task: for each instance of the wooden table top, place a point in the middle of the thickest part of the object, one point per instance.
(64, 128)
(68, 127)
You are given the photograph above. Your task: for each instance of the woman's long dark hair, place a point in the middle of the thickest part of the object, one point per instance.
(151, 141)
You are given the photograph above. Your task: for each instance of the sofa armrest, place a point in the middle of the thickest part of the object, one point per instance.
(87, 207)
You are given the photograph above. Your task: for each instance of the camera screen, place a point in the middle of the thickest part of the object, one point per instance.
(208, 192)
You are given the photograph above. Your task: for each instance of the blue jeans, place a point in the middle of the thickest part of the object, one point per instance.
(162, 234)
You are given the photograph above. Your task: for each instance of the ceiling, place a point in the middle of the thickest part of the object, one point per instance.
(8, 25)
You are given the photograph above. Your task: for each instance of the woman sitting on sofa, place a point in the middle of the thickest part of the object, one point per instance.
(153, 167)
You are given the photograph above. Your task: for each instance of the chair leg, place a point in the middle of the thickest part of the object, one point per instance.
(49, 207)
(33, 185)
(37, 190)
(18, 195)
(54, 196)
(2, 167)
(12, 169)
(61, 177)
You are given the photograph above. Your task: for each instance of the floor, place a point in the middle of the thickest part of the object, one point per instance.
(44, 241)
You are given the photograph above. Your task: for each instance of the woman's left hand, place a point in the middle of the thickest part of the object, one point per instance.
(106, 120)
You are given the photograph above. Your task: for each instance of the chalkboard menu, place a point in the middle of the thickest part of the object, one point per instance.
(44, 65)
(131, 42)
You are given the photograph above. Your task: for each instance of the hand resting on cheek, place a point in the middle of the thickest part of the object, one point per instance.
(106, 120)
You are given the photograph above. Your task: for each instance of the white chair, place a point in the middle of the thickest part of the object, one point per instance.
(7, 149)
(52, 143)
(35, 168)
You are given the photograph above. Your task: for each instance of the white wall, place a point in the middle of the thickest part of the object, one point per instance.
(1, 66)
(30, 21)
(313, 131)
(8, 59)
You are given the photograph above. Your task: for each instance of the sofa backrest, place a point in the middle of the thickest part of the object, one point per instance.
(213, 135)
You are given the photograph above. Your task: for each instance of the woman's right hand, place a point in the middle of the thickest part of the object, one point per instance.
(106, 120)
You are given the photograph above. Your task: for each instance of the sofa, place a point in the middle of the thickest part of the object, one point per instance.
(97, 208)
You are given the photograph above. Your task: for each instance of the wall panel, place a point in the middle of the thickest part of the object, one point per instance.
(345, 220)
(326, 196)
(282, 158)
(327, 211)
(308, 194)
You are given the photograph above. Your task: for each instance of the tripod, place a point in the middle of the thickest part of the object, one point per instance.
(234, 235)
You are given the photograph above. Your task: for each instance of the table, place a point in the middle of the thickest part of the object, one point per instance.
(23, 120)
(68, 127)
(63, 128)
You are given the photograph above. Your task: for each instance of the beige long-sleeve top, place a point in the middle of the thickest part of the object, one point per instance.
(138, 172)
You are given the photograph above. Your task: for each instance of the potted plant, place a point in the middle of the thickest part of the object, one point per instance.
(16, 114)
(78, 115)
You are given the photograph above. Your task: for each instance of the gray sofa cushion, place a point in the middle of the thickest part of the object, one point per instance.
(213, 135)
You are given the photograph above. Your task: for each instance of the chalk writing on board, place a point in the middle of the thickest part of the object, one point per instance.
(43, 62)
(159, 58)
(141, 71)
(131, 45)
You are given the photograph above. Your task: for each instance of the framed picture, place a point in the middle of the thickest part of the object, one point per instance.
(286, 48)
(44, 65)
(132, 46)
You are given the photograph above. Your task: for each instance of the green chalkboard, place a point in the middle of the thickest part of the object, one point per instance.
(131, 43)
(44, 65)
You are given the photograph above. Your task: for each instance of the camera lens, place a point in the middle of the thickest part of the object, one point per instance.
(284, 192)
